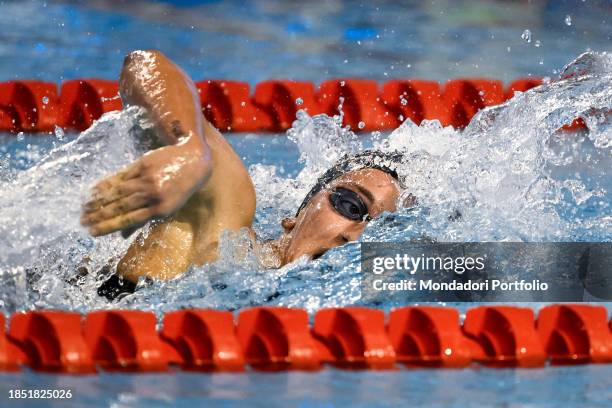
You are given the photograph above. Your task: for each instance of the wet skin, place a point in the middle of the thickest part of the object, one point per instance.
(320, 227)
(195, 187)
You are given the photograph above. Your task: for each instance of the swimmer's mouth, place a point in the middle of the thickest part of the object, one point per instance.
(319, 254)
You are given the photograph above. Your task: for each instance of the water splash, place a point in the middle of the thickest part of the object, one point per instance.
(517, 152)
(526, 36)
(41, 242)
(511, 174)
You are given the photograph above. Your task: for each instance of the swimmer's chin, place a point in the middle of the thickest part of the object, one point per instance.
(306, 258)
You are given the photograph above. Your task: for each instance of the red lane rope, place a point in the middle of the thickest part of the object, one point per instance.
(35, 106)
(277, 338)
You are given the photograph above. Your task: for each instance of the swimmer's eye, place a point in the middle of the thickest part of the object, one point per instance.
(349, 204)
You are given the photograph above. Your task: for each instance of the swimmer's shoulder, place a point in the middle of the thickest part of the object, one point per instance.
(229, 193)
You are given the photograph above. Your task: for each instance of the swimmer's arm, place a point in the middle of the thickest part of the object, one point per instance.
(161, 181)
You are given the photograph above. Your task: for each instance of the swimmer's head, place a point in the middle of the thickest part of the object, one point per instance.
(336, 210)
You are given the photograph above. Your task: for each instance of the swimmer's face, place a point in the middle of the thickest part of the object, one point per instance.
(339, 213)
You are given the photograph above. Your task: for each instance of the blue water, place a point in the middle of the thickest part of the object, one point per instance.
(583, 386)
(563, 185)
(441, 39)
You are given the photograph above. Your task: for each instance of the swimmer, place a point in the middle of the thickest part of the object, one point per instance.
(195, 187)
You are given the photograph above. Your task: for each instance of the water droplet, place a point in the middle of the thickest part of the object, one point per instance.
(526, 36)
(45, 100)
(403, 100)
(243, 103)
(59, 132)
(299, 101)
(361, 125)
(408, 65)
(537, 43)
(568, 20)
(508, 49)
(20, 136)
(342, 83)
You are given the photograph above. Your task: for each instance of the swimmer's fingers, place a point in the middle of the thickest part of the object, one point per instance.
(117, 208)
(129, 173)
(113, 193)
(138, 217)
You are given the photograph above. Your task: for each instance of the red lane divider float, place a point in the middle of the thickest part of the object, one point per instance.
(465, 97)
(575, 334)
(416, 100)
(125, 340)
(11, 356)
(282, 99)
(28, 106)
(205, 340)
(521, 85)
(85, 100)
(360, 102)
(507, 336)
(277, 338)
(429, 336)
(355, 336)
(228, 106)
(52, 341)
(34, 106)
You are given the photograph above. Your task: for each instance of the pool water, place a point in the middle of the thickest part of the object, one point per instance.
(514, 151)
(439, 39)
(571, 387)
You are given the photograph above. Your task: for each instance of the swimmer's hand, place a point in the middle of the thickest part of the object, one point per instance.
(155, 186)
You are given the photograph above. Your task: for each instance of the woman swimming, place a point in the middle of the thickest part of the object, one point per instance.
(198, 187)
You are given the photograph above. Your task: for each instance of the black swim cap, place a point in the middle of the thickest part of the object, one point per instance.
(368, 159)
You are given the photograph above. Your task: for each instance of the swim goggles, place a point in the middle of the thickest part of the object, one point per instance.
(349, 204)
